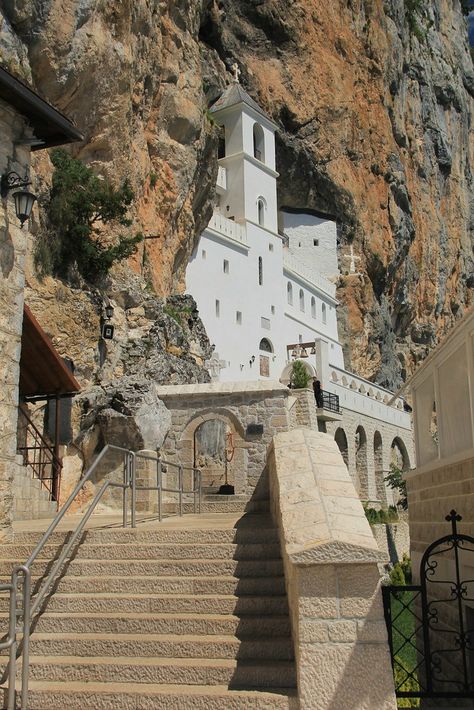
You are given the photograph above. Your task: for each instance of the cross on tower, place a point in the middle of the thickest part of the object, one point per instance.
(236, 71)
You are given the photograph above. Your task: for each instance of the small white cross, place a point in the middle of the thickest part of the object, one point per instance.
(237, 72)
(353, 258)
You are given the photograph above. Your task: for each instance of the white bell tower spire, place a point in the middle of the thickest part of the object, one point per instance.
(249, 160)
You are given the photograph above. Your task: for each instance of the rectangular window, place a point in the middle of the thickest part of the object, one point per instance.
(273, 310)
(265, 323)
(226, 266)
(238, 317)
(316, 242)
(260, 271)
(270, 247)
(218, 308)
(203, 254)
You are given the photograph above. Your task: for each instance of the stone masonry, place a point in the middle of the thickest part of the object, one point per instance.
(238, 405)
(13, 244)
(332, 574)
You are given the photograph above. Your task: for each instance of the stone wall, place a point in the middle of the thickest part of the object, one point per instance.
(433, 491)
(332, 576)
(13, 242)
(238, 405)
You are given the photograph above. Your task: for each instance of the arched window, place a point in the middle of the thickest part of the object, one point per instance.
(258, 142)
(266, 345)
(289, 293)
(260, 271)
(324, 312)
(301, 299)
(261, 211)
(313, 307)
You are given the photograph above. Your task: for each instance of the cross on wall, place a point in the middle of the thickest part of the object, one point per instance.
(236, 71)
(353, 258)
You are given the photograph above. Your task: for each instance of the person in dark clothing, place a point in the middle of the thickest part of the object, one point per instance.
(318, 395)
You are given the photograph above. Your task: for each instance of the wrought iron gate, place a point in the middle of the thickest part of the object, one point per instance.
(431, 625)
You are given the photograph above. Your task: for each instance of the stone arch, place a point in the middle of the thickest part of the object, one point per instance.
(286, 374)
(334, 376)
(378, 466)
(187, 446)
(261, 208)
(399, 454)
(341, 440)
(265, 345)
(361, 462)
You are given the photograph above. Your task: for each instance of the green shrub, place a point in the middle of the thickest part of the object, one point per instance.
(299, 377)
(397, 575)
(376, 517)
(79, 203)
(402, 682)
(397, 483)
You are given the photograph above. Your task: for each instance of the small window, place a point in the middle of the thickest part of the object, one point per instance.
(270, 247)
(218, 308)
(203, 254)
(289, 291)
(260, 271)
(238, 317)
(300, 338)
(301, 300)
(266, 345)
(265, 323)
(313, 307)
(272, 310)
(316, 242)
(258, 142)
(324, 312)
(261, 212)
(226, 266)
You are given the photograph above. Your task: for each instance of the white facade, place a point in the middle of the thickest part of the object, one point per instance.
(259, 291)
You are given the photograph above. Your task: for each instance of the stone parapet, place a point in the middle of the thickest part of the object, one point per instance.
(332, 576)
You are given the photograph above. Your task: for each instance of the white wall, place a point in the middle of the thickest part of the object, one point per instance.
(302, 229)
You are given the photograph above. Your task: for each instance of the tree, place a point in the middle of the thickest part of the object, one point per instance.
(299, 377)
(397, 483)
(79, 203)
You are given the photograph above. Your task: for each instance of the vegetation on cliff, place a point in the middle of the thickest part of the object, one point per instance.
(80, 204)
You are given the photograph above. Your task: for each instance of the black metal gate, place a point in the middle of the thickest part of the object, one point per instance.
(431, 625)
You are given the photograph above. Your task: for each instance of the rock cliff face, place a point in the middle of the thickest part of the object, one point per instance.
(374, 100)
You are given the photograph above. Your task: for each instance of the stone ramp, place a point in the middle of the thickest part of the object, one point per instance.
(191, 612)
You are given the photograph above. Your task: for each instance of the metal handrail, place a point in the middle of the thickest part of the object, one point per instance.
(30, 607)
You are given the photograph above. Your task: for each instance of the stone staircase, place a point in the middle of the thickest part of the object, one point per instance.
(30, 498)
(191, 613)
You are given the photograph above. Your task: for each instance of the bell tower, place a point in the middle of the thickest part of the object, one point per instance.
(249, 160)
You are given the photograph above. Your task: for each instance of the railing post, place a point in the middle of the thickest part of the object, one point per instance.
(159, 482)
(126, 483)
(180, 487)
(13, 647)
(133, 475)
(25, 669)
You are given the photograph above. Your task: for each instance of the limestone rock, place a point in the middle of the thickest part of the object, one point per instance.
(375, 128)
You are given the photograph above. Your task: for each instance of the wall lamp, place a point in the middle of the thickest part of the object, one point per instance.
(24, 200)
(109, 311)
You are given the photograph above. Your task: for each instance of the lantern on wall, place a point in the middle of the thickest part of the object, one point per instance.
(24, 200)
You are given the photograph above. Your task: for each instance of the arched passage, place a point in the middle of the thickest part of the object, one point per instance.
(378, 466)
(399, 455)
(361, 462)
(341, 440)
(203, 442)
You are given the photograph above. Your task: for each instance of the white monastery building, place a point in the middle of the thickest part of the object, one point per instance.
(265, 285)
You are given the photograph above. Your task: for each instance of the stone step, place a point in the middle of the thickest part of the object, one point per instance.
(46, 695)
(97, 603)
(189, 671)
(268, 586)
(154, 551)
(160, 645)
(221, 506)
(128, 623)
(167, 568)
